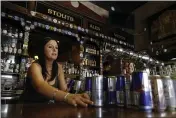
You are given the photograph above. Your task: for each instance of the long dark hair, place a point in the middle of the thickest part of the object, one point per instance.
(42, 60)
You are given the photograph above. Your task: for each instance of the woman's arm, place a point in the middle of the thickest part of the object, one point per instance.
(62, 82)
(45, 89)
(42, 86)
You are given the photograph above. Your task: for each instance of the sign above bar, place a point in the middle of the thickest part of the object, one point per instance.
(58, 13)
(94, 26)
(119, 36)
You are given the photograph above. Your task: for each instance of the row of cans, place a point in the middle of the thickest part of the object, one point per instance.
(138, 90)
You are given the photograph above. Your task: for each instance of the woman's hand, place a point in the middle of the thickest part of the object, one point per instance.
(79, 99)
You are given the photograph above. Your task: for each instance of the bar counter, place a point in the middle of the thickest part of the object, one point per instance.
(62, 110)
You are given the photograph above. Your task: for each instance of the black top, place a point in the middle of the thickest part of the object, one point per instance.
(30, 95)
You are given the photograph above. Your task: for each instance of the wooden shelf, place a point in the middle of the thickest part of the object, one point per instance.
(9, 73)
(86, 53)
(71, 75)
(7, 53)
(92, 67)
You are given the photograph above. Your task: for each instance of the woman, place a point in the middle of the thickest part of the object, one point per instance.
(45, 79)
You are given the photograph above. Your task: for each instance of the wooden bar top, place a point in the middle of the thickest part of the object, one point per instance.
(62, 110)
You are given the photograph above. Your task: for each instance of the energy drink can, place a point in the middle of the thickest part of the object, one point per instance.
(158, 93)
(88, 85)
(77, 86)
(70, 85)
(97, 90)
(120, 91)
(169, 92)
(128, 101)
(150, 86)
(111, 93)
(141, 91)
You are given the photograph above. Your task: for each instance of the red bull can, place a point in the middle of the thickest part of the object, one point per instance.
(88, 85)
(120, 91)
(158, 93)
(128, 79)
(70, 85)
(141, 91)
(169, 93)
(109, 90)
(111, 93)
(97, 90)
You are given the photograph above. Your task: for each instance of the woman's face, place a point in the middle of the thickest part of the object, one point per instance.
(51, 50)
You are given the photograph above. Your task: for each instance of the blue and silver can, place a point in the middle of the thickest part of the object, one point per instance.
(141, 91)
(77, 86)
(120, 91)
(158, 93)
(111, 93)
(70, 85)
(169, 92)
(97, 90)
(128, 101)
(88, 85)
(105, 89)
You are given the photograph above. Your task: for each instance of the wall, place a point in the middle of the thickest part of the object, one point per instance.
(141, 38)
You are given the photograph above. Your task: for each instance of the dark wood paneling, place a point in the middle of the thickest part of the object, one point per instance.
(81, 10)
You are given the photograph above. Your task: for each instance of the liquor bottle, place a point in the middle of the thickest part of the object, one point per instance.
(9, 32)
(5, 49)
(10, 49)
(95, 63)
(25, 50)
(4, 30)
(97, 52)
(69, 69)
(86, 48)
(16, 33)
(13, 42)
(21, 34)
(14, 50)
(72, 68)
(11, 67)
(17, 68)
(19, 49)
(22, 65)
(86, 61)
(7, 64)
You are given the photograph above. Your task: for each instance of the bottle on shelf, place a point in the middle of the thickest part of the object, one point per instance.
(11, 67)
(21, 34)
(5, 49)
(6, 65)
(10, 48)
(16, 33)
(9, 32)
(97, 52)
(17, 68)
(19, 48)
(4, 30)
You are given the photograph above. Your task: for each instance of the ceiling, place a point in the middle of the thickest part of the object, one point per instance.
(123, 16)
(120, 6)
